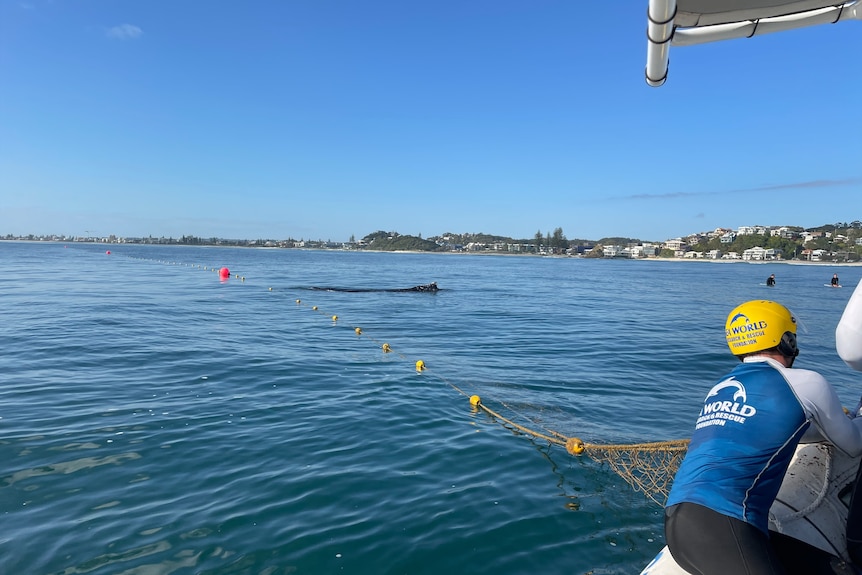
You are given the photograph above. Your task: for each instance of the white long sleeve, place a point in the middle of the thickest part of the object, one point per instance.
(848, 334)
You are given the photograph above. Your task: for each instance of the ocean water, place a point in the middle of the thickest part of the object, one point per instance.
(157, 420)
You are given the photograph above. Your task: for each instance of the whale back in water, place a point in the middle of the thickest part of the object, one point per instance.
(432, 287)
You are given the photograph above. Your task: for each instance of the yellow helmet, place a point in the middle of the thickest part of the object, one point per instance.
(759, 325)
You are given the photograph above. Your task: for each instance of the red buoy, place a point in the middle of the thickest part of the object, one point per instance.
(108, 252)
(224, 273)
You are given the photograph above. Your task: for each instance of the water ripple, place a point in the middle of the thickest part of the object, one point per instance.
(158, 421)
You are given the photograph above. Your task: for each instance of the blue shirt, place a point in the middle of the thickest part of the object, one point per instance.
(744, 439)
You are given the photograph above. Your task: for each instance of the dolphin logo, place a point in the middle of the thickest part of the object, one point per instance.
(729, 382)
(737, 316)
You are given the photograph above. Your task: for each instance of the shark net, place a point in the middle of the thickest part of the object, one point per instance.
(647, 467)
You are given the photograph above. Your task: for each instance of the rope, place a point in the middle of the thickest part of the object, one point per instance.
(648, 468)
(821, 494)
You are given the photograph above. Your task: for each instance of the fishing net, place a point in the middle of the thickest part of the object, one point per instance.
(647, 467)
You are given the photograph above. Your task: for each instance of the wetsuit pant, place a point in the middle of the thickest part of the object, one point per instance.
(705, 542)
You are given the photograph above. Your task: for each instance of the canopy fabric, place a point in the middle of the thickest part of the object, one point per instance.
(710, 12)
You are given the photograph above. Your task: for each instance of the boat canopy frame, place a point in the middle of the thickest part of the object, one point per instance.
(690, 22)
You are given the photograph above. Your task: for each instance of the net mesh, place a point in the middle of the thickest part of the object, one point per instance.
(647, 467)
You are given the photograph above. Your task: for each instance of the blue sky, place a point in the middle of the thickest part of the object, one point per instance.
(321, 119)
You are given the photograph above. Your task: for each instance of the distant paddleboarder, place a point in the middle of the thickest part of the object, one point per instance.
(770, 281)
(835, 282)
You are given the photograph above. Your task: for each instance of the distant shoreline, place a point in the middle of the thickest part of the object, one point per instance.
(788, 262)
(674, 260)
(463, 253)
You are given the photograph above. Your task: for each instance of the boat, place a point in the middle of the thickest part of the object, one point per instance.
(808, 518)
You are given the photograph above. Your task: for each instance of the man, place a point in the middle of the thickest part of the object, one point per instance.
(716, 519)
(770, 281)
(835, 281)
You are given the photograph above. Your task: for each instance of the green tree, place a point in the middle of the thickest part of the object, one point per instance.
(558, 241)
(821, 243)
(789, 248)
(392, 241)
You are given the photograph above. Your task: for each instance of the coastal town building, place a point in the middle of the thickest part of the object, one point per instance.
(760, 254)
(830, 243)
